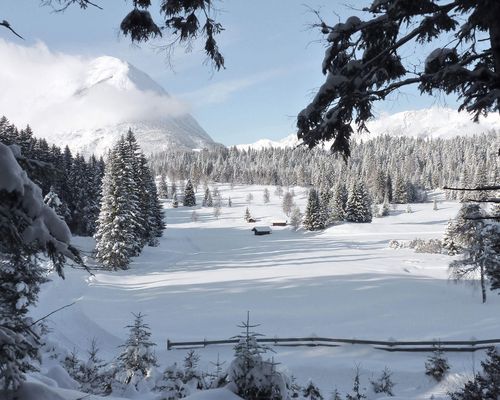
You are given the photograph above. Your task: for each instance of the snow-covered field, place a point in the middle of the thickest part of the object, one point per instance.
(344, 282)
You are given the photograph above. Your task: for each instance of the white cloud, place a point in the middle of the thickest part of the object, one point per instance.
(60, 92)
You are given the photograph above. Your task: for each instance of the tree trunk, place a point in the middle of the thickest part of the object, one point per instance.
(483, 285)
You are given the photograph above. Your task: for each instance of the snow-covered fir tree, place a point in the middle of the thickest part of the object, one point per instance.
(296, 218)
(313, 217)
(207, 199)
(247, 215)
(437, 365)
(384, 384)
(485, 385)
(311, 392)
(254, 377)
(265, 196)
(27, 227)
(53, 201)
(131, 215)
(163, 187)
(287, 204)
(137, 358)
(358, 208)
(477, 242)
(189, 196)
(338, 204)
(118, 224)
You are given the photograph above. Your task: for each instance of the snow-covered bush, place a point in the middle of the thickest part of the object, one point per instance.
(384, 383)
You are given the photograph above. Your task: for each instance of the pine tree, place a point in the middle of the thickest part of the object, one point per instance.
(400, 193)
(175, 202)
(356, 388)
(358, 207)
(265, 196)
(338, 204)
(91, 375)
(296, 218)
(207, 199)
(311, 392)
(384, 383)
(313, 218)
(163, 188)
(189, 196)
(118, 224)
(473, 239)
(287, 204)
(137, 357)
(486, 384)
(53, 201)
(254, 378)
(247, 216)
(437, 365)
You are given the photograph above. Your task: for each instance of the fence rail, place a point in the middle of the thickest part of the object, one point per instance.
(387, 345)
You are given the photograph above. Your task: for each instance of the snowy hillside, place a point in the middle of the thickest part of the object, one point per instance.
(433, 122)
(341, 282)
(88, 103)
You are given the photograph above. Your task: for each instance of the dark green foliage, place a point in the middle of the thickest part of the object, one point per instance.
(358, 208)
(486, 384)
(189, 196)
(313, 218)
(437, 364)
(364, 63)
(311, 392)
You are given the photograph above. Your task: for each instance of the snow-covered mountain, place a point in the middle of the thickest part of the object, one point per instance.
(87, 103)
(154, 130)
(435, 122)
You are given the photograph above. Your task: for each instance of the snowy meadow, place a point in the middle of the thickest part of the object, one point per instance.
(343, 282)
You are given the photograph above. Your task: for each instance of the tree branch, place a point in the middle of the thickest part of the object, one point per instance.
(6, 24)
(53, 312)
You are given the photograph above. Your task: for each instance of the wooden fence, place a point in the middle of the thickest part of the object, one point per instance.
(393, 346)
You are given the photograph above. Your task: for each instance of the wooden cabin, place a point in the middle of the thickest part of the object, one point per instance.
(279, 223)
(262, 230)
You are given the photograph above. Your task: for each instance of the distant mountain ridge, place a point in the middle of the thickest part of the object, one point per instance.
(435, 122)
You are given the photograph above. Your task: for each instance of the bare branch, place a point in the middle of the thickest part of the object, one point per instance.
(53, 312)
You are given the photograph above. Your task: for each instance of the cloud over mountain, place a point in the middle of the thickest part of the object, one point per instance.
(69, 98)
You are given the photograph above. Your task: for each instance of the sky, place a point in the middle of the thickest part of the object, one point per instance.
(273, 60)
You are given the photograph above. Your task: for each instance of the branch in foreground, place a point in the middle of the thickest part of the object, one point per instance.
(53, 312)
(6, 24)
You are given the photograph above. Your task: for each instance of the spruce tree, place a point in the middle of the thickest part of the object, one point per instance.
(118, 224)
(296, 218)
(189, 196)
(287, 204)
(311, 392)
(137, 357)
(163, 188)
(53, 201)
(338, 204)
(313, 218)
(437, 364)
(207, 199)
(265, 196)
(358, 207)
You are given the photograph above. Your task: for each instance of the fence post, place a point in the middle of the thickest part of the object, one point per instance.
(168, 344)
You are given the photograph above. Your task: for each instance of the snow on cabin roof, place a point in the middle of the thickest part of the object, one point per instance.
(262, 229)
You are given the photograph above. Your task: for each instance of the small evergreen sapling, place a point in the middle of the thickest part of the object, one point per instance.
(137, 357)
(486, 384)
(247, 216)
(384, 383)
(437, 365)
(311, 392)
(265, 196)
(356, 388)
(296, 218)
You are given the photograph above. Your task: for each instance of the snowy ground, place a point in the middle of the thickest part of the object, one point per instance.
(344, 282)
